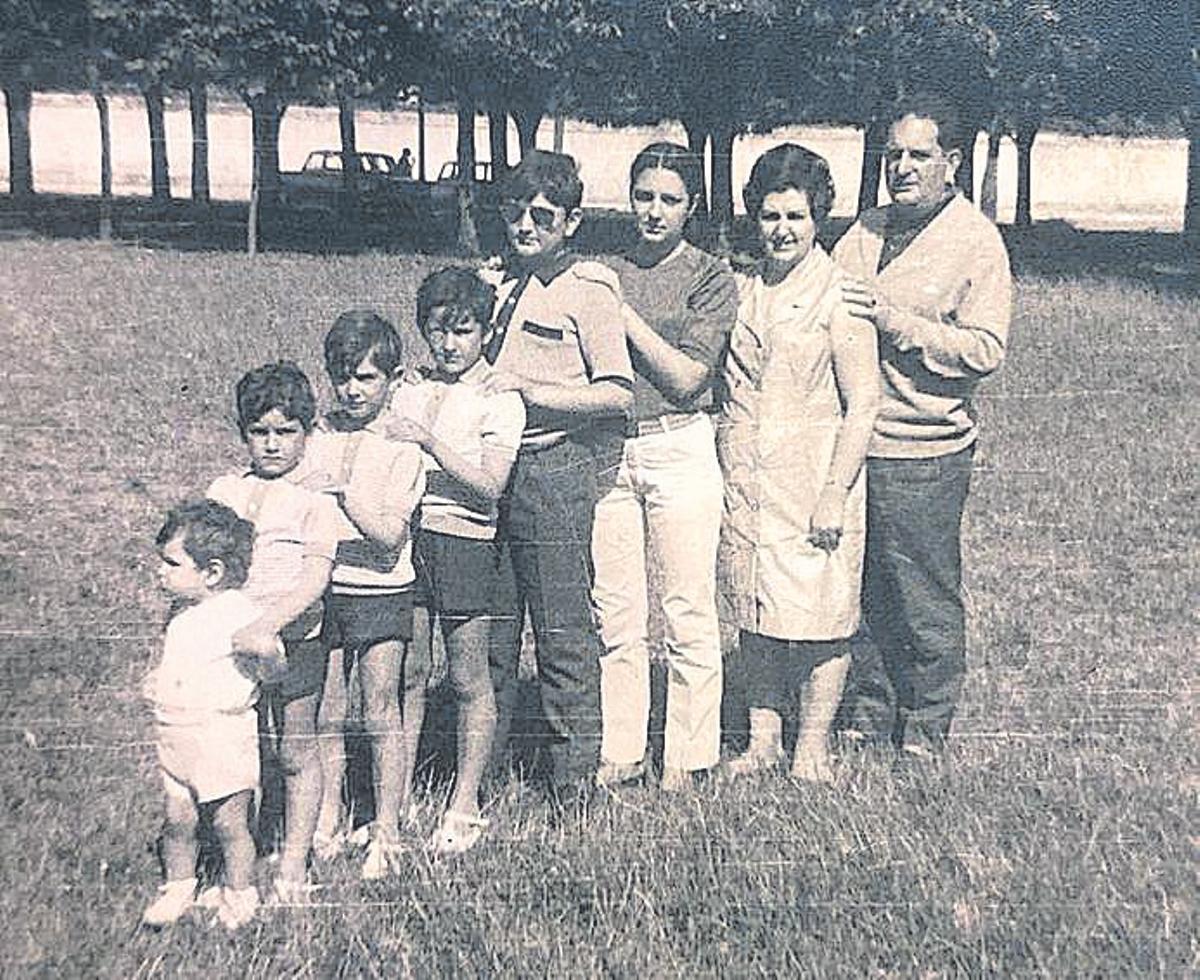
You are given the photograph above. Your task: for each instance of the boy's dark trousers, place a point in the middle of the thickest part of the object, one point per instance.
(547, 518)
(907, 667)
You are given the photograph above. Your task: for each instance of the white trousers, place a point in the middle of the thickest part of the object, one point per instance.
(661, 522)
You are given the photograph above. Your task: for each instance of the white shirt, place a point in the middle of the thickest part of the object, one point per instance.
(197, 674)
(470, 421)
(393, 473)
(290, 524)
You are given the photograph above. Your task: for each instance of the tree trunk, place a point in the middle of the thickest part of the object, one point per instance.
(964, 178)
(1026, 132)
(722, 182)
(560, 132)
(265, 115)
(256, 170)
(528, 121)
(18, 100)
(105, 227)
(160, 174)
(349, 136)
(988, 189)
(468, 238)
(498, 139)
(198, 104)
(1190, 23)
(421, 136)
(1191, 212)
(874, 136)
(697, 138)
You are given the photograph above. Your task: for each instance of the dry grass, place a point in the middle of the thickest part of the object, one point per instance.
(1059, 841)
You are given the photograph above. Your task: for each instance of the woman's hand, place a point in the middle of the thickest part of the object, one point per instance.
(825, 525)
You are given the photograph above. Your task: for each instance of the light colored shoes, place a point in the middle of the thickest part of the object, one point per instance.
(812, 768)
(457, 834)
(753, 761)
(237, 908)
(175, 899)
(675, 780)
(383, 854)
(285, 893)
(919, 751)
(617, 775)
(329, 847)
(209, 899)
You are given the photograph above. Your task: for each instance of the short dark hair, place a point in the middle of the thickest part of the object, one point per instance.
(940, 109)
(687, 165)
(458, 291)
(790, 166)
(211, 532)
(555, 175)
(280, 385)
(354, 335)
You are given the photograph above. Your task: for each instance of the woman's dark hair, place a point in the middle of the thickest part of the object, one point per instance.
(688, 166)
(790, 166)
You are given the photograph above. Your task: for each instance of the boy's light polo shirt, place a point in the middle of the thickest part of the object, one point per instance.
(197, 673)
(472, 422)
(566, 328)
(290, 522)
(393, 475)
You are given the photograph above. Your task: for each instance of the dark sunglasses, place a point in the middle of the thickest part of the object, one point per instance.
(543, 217)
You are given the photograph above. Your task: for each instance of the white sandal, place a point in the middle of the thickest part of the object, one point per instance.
(457, 833)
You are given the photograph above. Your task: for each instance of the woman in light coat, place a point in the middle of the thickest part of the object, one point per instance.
(800, 393)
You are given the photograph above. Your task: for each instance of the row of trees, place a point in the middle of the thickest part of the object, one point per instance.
(720, 67)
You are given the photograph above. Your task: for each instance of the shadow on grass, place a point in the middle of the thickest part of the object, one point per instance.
(1170, 262)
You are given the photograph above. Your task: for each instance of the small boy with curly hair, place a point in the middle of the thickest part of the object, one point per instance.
(203, 697)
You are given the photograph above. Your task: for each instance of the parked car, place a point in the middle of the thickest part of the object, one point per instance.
(442, 208)
(424, 211)
(320, 185)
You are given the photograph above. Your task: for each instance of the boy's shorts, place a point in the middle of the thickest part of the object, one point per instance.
(463, 575)
(306, 657)
(210, 759)
(361, 621)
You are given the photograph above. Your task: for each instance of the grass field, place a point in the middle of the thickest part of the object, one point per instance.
(1059, 840)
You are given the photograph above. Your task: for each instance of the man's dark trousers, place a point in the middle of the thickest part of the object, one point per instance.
(547, 517)
(909, 663)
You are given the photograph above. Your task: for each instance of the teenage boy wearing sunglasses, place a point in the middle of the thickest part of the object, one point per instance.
(558, 339)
